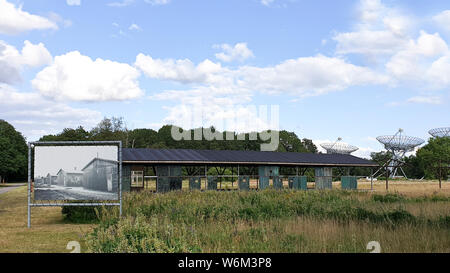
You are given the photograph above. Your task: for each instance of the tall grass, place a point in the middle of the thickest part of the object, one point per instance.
(255, 221)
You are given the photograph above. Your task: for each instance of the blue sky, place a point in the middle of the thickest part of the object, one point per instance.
(350, 69)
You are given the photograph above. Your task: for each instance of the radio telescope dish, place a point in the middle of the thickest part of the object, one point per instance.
(338, 147)
(440, 132)
(398, 145)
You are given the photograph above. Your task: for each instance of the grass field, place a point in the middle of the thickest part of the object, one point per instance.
(412, 217)
(49, 233)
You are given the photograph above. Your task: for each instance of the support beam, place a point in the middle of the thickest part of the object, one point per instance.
(206, 177)
(29, 185)
(371, 179)
(387, 178)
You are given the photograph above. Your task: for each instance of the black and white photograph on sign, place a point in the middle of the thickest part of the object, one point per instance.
(76, 173)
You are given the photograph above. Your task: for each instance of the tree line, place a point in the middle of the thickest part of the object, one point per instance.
(114, 129)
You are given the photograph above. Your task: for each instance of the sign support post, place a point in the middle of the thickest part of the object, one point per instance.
(29, 185)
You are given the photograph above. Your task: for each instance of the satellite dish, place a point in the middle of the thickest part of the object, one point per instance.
(440, 132)
(398, 145)
(338, 147)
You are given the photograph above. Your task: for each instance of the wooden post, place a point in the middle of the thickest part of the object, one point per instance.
(387, 178)
(440, 174)
(371, 179)
(238, 174)
(232, 177)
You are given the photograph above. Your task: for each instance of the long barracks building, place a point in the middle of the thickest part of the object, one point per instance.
(168, 168)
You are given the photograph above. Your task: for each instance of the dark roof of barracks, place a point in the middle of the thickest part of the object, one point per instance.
(194, 157)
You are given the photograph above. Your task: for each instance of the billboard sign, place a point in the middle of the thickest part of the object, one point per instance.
(78, 172)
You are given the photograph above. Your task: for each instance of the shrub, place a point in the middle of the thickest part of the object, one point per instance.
(140, 235)
(80, 214)
(388, 198)
(168, 222)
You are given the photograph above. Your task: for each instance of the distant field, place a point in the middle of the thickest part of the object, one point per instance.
(231, 221)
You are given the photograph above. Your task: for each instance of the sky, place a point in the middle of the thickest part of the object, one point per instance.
(349, 69)
(50, 159)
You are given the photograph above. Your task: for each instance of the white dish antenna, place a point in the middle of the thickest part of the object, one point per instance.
(440, 132)
(338, 147)
(398, 145)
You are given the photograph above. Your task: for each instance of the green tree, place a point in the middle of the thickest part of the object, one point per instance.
(13, 153)
(413, 167)
(381, 157)
(110, 129)
(142, 138)
(309, 146)
(289, 142)
(68, 134)
(435, 158)
(114, 129)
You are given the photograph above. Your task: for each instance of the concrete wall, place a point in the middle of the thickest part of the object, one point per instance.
(323, 178)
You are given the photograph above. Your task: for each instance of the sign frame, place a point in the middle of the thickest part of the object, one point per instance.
(33, 144)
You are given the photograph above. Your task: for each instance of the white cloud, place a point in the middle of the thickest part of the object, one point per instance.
(443, 19)
(413, 62)
(267, 2)
(124, 3)
(418, 99)
(35, 55)
(216, 89)
(239, 52)
(308, 76)
(76, 77)
(305, 76)
(380, 30)
(134, 27)
(73, 2)
(385, 34)
(184, 71)
(12, 62)
(210, 106)
(438, 73)
(221, 93)
(368, 42)
(157, 2)
(34, 116)
(14, 20)
(54, 17)
(427, 100)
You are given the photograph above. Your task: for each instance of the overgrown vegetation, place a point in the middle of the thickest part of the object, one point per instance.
(257, 221)
(80, 215)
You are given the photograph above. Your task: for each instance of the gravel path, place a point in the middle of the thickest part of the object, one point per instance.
(7, 189)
